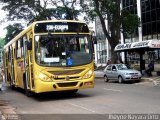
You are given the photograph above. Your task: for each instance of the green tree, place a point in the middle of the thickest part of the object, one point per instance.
(66, 9)
(33, 10)
(24, 9)
(130, 22)
(108, 10)
(2, 41)
(12, 31)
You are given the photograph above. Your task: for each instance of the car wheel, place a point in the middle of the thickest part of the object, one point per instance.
(120, 79)
(106, 78)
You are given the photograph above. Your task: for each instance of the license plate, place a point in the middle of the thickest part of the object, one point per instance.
(135, 76)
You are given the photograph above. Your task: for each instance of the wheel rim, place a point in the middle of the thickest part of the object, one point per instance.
(120, 79)
(106, 79)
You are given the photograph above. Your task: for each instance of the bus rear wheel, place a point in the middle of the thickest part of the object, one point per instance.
(10, 83)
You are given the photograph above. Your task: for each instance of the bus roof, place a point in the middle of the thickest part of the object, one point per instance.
(18, 36)
(30, 28)
(77, 21)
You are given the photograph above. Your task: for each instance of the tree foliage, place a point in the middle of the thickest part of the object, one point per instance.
(66, 9)
(34, 10)
(129, 22)
(12, 31)
(2, 41)
(106, 10)
(109, 10)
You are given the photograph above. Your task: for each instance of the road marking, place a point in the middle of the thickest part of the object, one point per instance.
(82, 107)
(112, 90)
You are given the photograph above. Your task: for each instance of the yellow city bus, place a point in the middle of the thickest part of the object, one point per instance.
(51, 55)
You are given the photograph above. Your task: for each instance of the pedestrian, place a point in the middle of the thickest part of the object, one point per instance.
(150, 68)
(109, 62)
(3, 86)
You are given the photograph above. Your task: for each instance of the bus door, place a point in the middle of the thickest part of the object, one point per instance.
(12, 82)
(6, 65)
(27, 66)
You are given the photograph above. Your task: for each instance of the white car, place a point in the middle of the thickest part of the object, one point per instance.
(121, 72)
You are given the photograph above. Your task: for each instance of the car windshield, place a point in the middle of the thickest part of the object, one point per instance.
(64, 50)
(123, 67)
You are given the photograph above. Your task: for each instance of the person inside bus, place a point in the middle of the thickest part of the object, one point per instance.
(72, 46)
(44, 52)
(51, 46)
(150, 68)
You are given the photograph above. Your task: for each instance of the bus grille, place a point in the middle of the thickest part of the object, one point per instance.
(66, 72)
(63, 78)
(71, 84)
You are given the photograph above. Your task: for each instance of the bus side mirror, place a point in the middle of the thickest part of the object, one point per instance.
(29, 45)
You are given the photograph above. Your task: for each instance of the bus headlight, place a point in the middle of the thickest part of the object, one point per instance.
(88, 74)
(44, 77)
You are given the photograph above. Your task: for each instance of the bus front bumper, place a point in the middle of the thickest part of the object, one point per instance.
(42, 86)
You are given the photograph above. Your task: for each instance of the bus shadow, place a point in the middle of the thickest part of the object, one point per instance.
(50, 96)
(126, 82)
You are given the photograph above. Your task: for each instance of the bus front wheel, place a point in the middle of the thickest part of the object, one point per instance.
(28, 93)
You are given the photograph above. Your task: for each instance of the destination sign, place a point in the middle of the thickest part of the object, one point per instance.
(56, 27)
(61, 27)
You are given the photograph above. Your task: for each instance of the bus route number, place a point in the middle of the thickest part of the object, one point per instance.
(56, 27)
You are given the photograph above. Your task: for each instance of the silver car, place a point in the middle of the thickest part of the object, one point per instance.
(121, 72)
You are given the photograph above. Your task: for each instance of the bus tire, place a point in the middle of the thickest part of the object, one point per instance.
(28, 93)
(10, 84)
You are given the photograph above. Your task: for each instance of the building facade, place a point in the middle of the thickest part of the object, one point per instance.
(148, 12)
(149, 16)
(149, 29)
(102, 47)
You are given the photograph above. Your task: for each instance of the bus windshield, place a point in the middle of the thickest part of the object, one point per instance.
(64, 50)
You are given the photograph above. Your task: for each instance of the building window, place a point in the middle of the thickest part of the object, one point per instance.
(148, 28)
(148, 17)
(158, 27)
(153, 15)
(153, 4)
(154, 28)
(157, 3)
(158, 14)
(148, 7)
(144, 29)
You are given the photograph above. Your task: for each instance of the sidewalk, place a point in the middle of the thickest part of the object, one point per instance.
(99, 74)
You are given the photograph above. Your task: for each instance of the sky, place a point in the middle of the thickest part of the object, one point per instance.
(2, 24)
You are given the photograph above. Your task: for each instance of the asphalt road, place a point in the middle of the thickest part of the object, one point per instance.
(104, 99)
